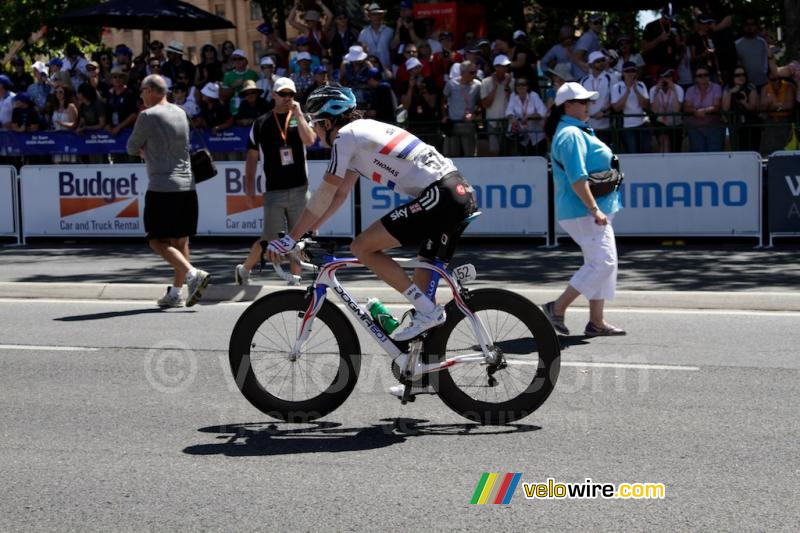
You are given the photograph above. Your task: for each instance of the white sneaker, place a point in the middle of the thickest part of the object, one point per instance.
(196, 287)
(398, 390)
(169, 300)
(294, 282)
(420, 323)
(241, 275)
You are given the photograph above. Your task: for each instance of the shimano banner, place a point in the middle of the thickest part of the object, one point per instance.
(783, 193)
(8, 202)
(511, 193)
(708, 194)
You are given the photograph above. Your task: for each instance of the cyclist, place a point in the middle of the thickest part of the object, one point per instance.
(391, 156)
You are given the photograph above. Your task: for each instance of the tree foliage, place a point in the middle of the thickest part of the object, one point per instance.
(19, 19)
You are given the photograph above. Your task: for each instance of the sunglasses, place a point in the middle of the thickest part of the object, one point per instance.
(739, 74)
(701, 75)
(583, 102)
(91, 68)
(286, 94)
(155, 65)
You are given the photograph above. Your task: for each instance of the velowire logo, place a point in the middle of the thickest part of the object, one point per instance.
(495, 488)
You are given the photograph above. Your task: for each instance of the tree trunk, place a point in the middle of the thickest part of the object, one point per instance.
(792, 28)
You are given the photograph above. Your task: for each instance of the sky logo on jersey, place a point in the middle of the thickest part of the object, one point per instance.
(80, 194)
(236, 198)
(495, 488)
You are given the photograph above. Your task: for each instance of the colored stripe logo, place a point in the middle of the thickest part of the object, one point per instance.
(495, 488)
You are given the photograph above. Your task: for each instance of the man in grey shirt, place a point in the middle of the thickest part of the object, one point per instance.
(161, 137)
(461, 106)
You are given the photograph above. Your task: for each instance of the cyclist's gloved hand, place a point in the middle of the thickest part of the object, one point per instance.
(281, 246)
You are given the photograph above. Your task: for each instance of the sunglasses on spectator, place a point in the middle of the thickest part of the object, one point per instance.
(155, 65)
(701, 75)
(286, 94)
(91, 68)
(739, 74)
(585, 102)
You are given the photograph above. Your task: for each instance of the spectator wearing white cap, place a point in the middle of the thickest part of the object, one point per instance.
(495, 92)
(41, 88)
(599, 80)
(278, 139)
(631, 98)
(304, 78)
(301, 45)
(234, 79)
(176, 64)
(268, 77)
(461, 108)
(376, 38)
(315, 22)
(576, 152)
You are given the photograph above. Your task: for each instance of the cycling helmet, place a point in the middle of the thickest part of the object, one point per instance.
(330, 101)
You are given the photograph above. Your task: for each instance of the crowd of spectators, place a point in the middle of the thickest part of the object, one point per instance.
(714, 86)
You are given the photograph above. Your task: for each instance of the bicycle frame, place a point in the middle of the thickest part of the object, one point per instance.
(326, 278)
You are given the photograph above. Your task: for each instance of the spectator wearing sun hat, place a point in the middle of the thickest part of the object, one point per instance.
(176, 64)
(353, 71)
(252, 106)
(268, 78)
(376, 38)
(234, 79)
(214, 115)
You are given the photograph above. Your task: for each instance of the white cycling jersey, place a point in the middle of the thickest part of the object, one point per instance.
(388, 155)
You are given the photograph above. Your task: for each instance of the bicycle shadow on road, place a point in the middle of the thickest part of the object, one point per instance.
(281, 438)
(117, 314)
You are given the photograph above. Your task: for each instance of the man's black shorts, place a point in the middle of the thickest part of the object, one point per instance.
(170, 215)
(435, 218)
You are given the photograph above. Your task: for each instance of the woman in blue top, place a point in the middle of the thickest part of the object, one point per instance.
(576, 152)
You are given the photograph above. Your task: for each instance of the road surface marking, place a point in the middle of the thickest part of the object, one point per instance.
(636, 366)
(47, 348)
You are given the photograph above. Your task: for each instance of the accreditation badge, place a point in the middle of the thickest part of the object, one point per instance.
(286, 156)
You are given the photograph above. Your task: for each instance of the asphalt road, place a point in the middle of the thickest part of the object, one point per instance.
(119, 417)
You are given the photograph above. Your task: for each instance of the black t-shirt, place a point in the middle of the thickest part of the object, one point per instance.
(265, 136)
(120, 106)
(383, 103)
(252, 111)
(526, 71)
(25, 116)
(665, 54)
(214, 115)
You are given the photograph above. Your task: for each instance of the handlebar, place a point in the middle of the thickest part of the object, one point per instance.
(296, 253)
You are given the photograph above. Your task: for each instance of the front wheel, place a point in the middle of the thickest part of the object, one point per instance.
(294, 387)
(529, 358)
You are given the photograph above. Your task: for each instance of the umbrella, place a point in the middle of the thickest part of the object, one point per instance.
(170, 15)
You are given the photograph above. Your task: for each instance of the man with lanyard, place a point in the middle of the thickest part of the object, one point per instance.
(279, 138)
(599, 81)
(391, 156)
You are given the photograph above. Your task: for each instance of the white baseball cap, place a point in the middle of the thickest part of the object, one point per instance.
(501, 60)
(412, 62)
(596, 55)
(518, 34)
(574, 91)
(284, 83)
(211, 90)
(266, 60)
(239, 52)
(303, 56)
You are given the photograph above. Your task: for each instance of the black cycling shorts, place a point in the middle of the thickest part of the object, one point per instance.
(170, 215)
(435, 219)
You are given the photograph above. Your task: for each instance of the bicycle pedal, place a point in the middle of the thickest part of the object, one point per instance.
(407, 396)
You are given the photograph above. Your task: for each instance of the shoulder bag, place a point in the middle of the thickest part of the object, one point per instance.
(203, 167)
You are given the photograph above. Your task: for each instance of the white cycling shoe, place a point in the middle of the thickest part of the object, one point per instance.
(420, 323)
(398, 390)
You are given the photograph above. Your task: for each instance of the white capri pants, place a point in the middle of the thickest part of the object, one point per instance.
(597, 278)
